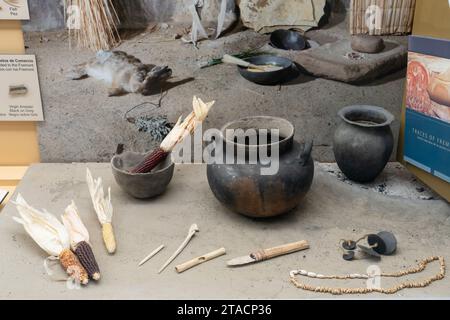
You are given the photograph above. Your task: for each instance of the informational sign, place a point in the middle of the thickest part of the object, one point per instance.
(20, 95)
(14, 10)
(427, 120)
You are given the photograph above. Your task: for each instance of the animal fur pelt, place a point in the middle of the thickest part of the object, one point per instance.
(122, 72)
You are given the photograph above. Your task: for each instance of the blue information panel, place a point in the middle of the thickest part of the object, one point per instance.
(427, 122)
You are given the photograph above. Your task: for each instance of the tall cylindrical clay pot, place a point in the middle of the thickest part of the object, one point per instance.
(245, 190)
(363, 142)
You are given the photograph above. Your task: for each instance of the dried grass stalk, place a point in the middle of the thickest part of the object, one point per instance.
(395, 16)
(98, 22)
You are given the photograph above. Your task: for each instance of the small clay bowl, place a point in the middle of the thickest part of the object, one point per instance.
(141, 185)
(271, 77)
(288, 40)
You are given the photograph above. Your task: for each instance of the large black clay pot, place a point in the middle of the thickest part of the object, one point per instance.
(363, 142)
(242, 187)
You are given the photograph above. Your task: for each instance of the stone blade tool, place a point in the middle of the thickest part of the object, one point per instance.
(267, 254)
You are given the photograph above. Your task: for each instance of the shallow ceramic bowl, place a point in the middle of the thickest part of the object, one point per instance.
(272, 77)
(288, 40)
(141, 185)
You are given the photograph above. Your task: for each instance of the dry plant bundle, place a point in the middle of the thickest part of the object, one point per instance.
(386, 16)
(51, 235)
(180, 131)
(96, 28)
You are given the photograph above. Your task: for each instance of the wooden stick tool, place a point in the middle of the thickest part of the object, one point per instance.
(192, 231)
(199, 260)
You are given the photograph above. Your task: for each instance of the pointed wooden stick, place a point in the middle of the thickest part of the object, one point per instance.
(151, 255)
(192, 230)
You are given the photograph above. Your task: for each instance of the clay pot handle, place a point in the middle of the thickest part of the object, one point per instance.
(306, 152)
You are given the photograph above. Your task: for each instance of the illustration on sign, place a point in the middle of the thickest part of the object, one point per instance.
(20, 94)
(427, 122)
(14, 10)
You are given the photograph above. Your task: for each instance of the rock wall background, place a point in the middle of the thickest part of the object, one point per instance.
(48, 15)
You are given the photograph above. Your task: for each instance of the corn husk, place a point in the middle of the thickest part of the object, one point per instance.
(104, 209)
(102, 205)
(52, 236)
(182, 129)
(77, 230)
(43, 227)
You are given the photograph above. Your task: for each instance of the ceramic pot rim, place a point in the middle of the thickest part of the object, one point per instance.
(387, 117)
(153, 172)
(286, 140)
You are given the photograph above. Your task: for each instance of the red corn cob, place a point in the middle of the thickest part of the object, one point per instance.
(151, 161)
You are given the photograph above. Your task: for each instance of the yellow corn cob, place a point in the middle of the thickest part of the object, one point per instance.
(108, 237)
(73, 267)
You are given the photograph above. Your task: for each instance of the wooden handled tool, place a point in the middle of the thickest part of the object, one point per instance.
(264, 68)
(199, 260)
(266, 254)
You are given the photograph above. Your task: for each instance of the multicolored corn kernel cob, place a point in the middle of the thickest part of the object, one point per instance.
(151, 161)
(108, 237)
(84, 252)
(73, 266)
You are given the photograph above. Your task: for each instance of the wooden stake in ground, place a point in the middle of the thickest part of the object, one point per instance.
(93, 24)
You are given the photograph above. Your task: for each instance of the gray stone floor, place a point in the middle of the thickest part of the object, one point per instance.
(331, 211)
(84, 124)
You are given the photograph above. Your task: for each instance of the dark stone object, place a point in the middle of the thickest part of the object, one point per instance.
(287, 40)
(141, 185)
(363, 142)
(383, 242)
(349, 245)
(272, 77)
(348, 256)
(367, 44)
(369, 251)
(244, 189)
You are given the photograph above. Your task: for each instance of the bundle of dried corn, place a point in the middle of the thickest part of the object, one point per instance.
(51, 236)
(79, 240)
(381, 17)
(180, 131)
(93, 24)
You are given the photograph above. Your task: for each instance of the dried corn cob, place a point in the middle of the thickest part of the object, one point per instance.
(73, 266)
(180, 131)
(79, 238)
(151, 161)
(108, 237)
(51, 236)
(84, 252)
(104, 209)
